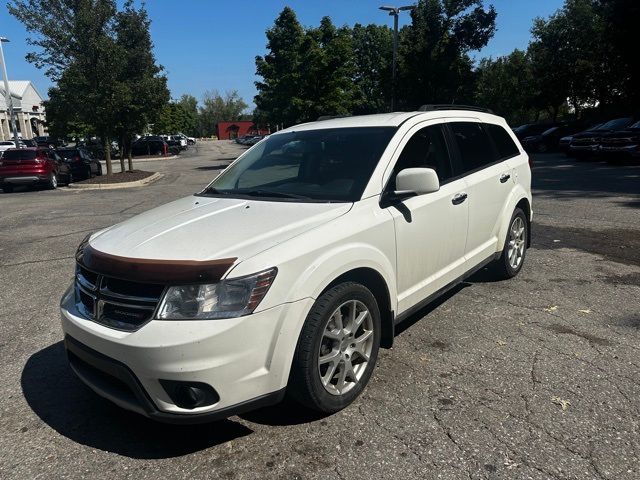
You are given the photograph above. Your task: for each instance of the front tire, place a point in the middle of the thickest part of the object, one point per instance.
(337, 349)
(515, 247)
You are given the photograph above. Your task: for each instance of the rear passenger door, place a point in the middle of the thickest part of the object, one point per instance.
(489, 180)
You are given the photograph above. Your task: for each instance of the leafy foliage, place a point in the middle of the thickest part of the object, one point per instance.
(217, 108)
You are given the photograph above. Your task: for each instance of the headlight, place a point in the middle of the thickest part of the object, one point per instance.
(228, 298)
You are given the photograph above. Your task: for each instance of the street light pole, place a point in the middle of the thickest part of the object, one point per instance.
(395, 12)
(7, 93)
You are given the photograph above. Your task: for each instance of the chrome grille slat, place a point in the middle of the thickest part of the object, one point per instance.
(115, 309)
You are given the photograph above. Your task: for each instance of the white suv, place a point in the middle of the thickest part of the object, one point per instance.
(293, 267)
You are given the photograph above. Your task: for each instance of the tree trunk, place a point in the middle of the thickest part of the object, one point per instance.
(107, 155)
(122, 153)
(129, 156)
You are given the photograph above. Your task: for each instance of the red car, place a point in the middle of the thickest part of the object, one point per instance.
(32, 166)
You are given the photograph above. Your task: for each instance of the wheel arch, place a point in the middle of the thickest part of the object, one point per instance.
(376, 283)
(518, 199)
(525, 206)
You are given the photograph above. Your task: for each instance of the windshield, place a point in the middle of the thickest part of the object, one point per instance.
(635, 125)
(615, 124)
(551, 130)
(316, 165)
(67, 154)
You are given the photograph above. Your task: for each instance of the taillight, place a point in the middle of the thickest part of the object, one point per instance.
(76, 158)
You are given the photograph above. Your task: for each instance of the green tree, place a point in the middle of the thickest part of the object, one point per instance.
(567, 54)
(278, 100)
(434, 62)
(217, 108)
(189, 104)
(144, 87)
(506, 85)
(620, 19)
(372, 56)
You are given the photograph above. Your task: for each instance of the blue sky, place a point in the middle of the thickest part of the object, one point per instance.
(211, 44)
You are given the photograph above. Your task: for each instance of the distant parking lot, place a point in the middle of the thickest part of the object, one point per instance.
(538, 377)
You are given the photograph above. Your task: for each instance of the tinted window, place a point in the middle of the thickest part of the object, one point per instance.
(326, 164)
(616, 124)
(427, 148)
(503, 141)
(67, 154)
(19, 155)
(476, 150)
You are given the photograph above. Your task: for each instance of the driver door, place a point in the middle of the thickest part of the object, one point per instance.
(430, 229)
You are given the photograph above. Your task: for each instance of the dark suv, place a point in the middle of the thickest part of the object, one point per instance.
(587, 144)
(622, 145)
(151, 145)
(81, 163)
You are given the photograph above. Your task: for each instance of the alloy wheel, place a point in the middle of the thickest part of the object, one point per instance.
(346, 346)
(517, 243)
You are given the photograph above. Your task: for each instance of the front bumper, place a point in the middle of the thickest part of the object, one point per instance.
(627, 151)
(245, 360)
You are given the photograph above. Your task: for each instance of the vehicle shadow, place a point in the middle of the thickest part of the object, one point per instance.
(285, 413)
(73, 410)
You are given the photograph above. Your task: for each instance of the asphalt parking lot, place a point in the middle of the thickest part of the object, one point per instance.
(538, 377)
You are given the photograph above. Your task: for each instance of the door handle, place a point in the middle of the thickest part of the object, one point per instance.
(504, 177)
(458, 198)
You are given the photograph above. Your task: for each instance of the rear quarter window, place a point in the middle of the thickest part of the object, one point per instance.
(504, 143)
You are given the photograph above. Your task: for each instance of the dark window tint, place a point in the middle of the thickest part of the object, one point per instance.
(426, 149)
(19, 155)
(503, 141)
(474, 145)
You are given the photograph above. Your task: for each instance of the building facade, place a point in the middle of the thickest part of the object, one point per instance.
(230, 130)
(27, 108)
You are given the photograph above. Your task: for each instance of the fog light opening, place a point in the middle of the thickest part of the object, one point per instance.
(190, 395)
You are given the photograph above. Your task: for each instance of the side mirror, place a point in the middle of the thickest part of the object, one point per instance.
(417, 180)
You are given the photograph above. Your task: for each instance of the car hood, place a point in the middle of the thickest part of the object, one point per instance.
(206, 228)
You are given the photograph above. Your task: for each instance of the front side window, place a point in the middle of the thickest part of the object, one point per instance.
(427, 148)
(504, 143)
(474, 146)
(313, 165)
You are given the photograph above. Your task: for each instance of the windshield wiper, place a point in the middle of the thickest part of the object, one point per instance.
(268, 193)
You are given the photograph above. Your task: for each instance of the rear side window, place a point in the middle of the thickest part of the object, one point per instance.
(474, 145)
(19, 155)
(504, 143)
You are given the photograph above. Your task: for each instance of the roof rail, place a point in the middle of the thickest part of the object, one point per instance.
(430, 108)
(330, 117)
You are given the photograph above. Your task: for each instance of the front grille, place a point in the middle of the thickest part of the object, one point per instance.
(113, 302)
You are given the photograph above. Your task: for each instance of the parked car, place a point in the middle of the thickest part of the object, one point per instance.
(6, 145)
(82, 164)
(549, 140)
(289, 271)
(150, 145)
(587, 144)
(95, 147)
(191, 141)
(622, 145)
(33, 166)
(528, 130)
(49, 142)
(255, 139)
(564, 143)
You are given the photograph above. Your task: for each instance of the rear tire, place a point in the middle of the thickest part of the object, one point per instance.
(515, 247)
(52, 183)
(337, 349)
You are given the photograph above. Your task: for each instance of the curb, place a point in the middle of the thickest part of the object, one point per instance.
(116, 162)
(110, 186)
